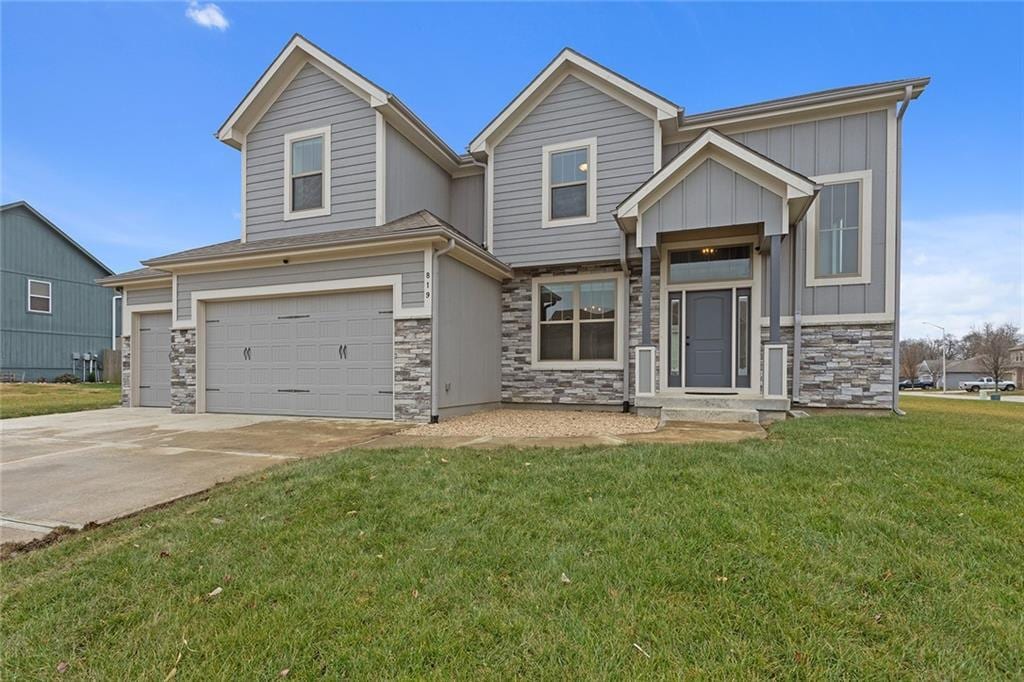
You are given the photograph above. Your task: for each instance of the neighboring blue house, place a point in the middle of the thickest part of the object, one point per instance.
(50, 305)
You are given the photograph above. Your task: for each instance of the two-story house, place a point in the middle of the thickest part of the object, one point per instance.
(596, 246)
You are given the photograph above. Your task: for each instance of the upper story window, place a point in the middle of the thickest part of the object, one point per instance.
(577, 322)
(307, 173)
(39, 298)
(569, 183)
(839, 231)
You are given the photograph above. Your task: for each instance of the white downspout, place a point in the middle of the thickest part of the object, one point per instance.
(114, 302)
(798, 289)
(434, 397)
(908, 94)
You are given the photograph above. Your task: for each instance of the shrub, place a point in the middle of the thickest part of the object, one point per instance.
(66, 379)
(91, 378)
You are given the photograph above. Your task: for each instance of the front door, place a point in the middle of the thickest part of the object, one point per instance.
(709, 339)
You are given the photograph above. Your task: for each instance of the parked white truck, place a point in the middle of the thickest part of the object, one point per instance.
(987, 383)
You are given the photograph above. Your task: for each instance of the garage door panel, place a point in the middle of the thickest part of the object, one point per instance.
(295, 363)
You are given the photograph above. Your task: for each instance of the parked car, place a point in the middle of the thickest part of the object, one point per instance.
(987, 382)
(906, 384)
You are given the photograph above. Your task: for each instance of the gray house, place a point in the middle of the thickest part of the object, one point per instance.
(52, 308)
(595, 246)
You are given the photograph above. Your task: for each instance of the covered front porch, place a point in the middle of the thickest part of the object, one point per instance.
(710, 227)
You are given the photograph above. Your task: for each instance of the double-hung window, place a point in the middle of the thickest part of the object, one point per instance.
(307, 173)
(577, 322)
(839, 231)
(40, 299)
(569, 179)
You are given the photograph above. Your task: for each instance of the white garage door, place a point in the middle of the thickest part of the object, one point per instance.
(155, 359)
(326, 355)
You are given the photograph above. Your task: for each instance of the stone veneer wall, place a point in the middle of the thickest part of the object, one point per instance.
(412, 370)
(126, 371)
(183, 371)
(845, 365)
(521, 383)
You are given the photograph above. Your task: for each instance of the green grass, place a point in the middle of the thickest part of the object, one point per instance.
(27, 400)
(849, 546)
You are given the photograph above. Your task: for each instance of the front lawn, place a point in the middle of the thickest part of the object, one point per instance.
(849, 546)
(26, 400)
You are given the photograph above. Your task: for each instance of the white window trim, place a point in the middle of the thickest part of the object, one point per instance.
(325, 188)
(48, 297)
(864, 274)
(620, 312)
(545, 215)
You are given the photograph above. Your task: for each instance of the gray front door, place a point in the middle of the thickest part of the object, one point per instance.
(326, 355)
(709, 338)
(154, 350)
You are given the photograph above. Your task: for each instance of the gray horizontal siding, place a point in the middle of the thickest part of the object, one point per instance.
(148, 296)
(467, 202)
(414, 181)
(834, 145)
(408, 265)
(312, 100)
(712, 195)
(572, 111)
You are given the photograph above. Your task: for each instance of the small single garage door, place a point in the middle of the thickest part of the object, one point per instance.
(155, 359)
(324, 355)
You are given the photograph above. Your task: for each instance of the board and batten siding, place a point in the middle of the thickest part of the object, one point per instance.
(39, 345)
(572, 111)
(409, 265)
(312, 100)
(469, 336)
(414, 181)
(147, 296)
(831, 145)
(712, 195)
(468, 206)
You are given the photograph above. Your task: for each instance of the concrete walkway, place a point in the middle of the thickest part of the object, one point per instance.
(95, 466)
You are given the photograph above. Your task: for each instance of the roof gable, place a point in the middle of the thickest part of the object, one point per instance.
(46, 221)
(569, 62)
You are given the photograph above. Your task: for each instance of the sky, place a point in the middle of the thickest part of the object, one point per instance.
(107, 111)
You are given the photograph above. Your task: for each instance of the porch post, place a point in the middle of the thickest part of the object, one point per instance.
(775, 289)
(645, 297)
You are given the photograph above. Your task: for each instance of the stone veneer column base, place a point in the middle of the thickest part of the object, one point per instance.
(126, 372)
(842, 365)
(183, 371)
(412, 370)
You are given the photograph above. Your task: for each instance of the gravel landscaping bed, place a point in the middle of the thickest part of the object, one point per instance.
(513, 423)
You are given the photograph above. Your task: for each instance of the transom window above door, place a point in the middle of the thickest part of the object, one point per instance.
(569, 183)
(577, 322)
(307, 173)
(710, 264)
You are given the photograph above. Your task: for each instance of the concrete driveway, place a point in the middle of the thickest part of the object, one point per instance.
(95, 466)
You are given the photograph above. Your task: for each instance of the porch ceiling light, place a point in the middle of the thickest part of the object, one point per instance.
(583, 167)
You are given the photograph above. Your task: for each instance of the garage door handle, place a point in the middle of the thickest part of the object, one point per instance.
(343, 352)
(247, 353)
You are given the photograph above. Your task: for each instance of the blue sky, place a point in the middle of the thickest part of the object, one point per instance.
(108, 110)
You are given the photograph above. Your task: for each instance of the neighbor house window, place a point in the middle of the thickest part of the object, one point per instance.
(39, 299)
(839, 230)
(307, 173)
(576, 321)
(569, 183)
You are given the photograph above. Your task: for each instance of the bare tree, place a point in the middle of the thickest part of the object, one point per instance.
(991, 345)
(912, 353)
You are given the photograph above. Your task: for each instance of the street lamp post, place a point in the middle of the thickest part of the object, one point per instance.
(943, 330)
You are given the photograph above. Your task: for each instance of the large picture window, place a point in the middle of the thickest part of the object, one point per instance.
(839, 231)
(576, 321)
(569, 183)
(307, 173)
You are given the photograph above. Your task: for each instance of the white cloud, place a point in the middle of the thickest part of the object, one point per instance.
(207, 15)
(960, 272)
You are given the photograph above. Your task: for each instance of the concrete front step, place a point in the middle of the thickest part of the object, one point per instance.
(716, 401)
(721, 415)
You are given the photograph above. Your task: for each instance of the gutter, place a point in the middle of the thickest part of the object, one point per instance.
(907, 96)
(797, 294)
(434, 397)
(624, 264)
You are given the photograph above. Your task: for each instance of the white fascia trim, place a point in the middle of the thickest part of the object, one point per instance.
(325, 186)
(545, 201)
(325, 62)
(621, 317)
(568, 62)
(394, 282)
(796, 185)
(866, 190)
(380, 161)
(489, 200)
(244, 171)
